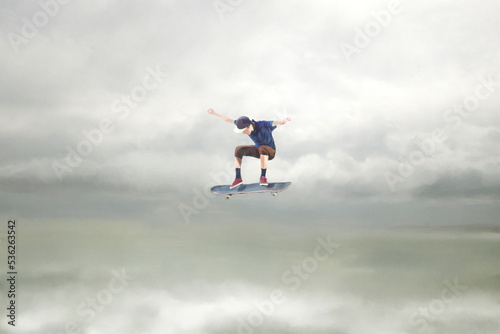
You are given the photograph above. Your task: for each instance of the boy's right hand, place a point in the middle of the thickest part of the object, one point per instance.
(210, 111)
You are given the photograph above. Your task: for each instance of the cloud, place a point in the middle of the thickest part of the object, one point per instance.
(467, 183)
(352, 122)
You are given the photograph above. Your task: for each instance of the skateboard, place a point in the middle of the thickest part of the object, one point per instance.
(273, 188)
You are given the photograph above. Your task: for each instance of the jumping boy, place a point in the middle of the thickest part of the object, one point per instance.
(261, 134)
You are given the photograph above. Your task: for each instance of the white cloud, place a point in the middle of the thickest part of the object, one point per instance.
(351, 121)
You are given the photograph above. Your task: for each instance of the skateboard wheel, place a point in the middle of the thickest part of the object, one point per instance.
(274, 194)
(228, 196)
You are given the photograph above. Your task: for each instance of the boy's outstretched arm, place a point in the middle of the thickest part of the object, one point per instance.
(282, 122)
(224, 118)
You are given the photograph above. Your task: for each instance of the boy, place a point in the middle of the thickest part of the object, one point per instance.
(261, 134)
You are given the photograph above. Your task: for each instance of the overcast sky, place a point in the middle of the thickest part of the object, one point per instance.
(367, 84)
(108, 155)
(394, 107)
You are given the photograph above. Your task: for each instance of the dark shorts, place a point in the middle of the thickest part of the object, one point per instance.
(250, 150)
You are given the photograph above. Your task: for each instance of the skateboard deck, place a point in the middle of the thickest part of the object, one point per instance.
(251, 188)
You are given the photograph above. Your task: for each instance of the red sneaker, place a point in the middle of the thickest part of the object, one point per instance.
(236, 183)
(263, 181)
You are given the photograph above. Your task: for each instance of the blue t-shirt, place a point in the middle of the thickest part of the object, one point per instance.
(262, 134)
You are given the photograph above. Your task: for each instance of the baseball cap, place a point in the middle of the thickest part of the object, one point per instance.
(241, 124)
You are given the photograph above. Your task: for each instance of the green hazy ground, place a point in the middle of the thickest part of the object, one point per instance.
(222, 279)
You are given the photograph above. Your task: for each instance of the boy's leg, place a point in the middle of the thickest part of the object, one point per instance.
(266, 154)
(237, 162)
(244, 150)
(237, 180)
(239, 152)
(267, 151)
(263, 165)
(263, 161)
(263, 170)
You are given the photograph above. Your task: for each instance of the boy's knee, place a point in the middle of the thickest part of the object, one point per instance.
(263, 151)
(269, 152)
(238, 152)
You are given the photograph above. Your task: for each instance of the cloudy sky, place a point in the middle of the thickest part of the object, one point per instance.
(394, 106)
(382, 96)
